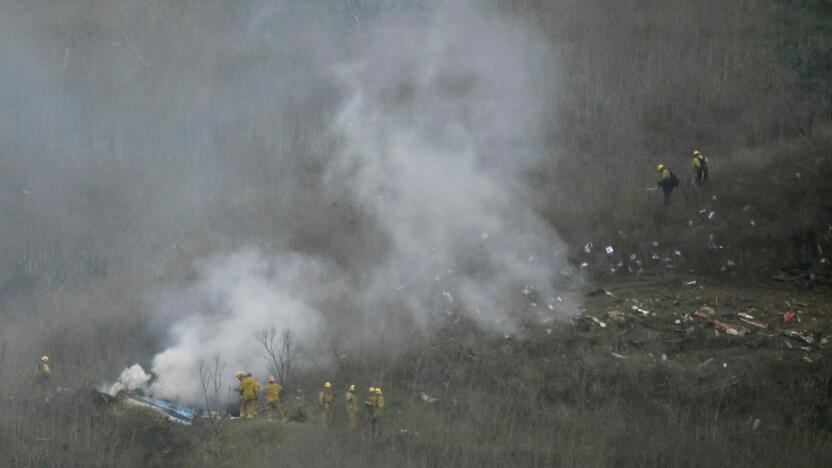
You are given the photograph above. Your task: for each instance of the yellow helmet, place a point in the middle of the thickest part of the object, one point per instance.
(352, 388)
(44, 359)
(696, 152)
(660, 167)
(372, 390)
(239, 374)
(327, 385)
(378, 390)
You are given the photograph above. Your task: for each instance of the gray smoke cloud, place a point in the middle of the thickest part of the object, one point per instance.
(443, 115)
(317, 166)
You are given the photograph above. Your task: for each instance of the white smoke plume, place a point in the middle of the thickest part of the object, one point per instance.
(445, 119)
(235, 297)
(444, 115)
(131, 378)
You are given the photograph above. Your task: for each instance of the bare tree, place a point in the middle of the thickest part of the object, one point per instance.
(210, 380)
(279, 350)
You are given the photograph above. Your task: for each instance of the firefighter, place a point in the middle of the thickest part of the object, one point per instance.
(368, 405)
(273, 398)
(248, 393)
(377, 420)
(700, 165)
(325, 399)
(667, 182)
(43, 375)
(352, 407)
(240, 375)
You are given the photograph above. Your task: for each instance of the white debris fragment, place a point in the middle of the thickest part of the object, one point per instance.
(548, 331)
(745, 316)
(691, 283)
(643, 311)
(526, 291)
(711, 215)
(599, 322)
(551, 307)
(531, 259)
(618, 356)
(656, 257)
(448, 296)
(713, 198)
(678, 253)
(609, 250)
(703, 211)
(633, 257)
(730, 263)
(753, 224)
(484, 236)
(664, 357)
(655, 244)
(756, 425)
(588, 247)
(690, 223)
(724, 365)
(584, 265)
(560, 299)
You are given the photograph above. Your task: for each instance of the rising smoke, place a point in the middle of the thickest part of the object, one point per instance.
(310, 165)
(443, 115)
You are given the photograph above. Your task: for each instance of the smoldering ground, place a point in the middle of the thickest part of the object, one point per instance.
(294, 165)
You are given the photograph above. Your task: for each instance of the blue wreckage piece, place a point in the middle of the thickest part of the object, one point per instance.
(172, 411)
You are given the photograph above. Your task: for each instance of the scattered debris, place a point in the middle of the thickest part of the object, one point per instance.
(618, 356)
(719, 325)
(711, 215)
(599, 322)
(788, 316)
(588, 247)
(609, 250)
(427, 399)
(643, 311)
(745, 316)
(756, 425)
(808, 339)
(484, 236)
(616, 315)
(691, 283)
(753, 323)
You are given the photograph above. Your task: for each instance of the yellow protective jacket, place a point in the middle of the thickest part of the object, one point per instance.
(352, 402)
(699, 161)
(378, 406)
(248, 389)
(325, 398)
(273, 392)
(370, 403)
(43, 370)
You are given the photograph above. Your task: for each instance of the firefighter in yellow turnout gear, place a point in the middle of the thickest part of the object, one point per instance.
(368, 405)
(43, 375)
(377, 419)
(325, 399)
(667, 182)
(248, 395)
(700, 165)
(352, 407)
(273, 399)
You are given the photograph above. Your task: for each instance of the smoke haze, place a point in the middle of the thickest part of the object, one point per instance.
(294, 165)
